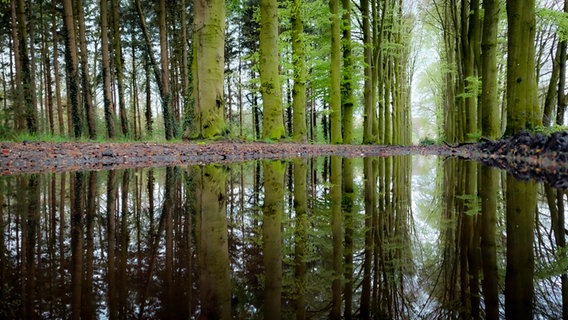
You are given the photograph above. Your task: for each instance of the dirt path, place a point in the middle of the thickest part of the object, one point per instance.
(35, 157)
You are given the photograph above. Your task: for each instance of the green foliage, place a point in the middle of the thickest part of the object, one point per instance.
(472, 88)
(427, 141)
(557, 19)
(558, 266)
(550, 130)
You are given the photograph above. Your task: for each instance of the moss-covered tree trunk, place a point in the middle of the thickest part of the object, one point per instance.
(489, 99)
(298, 59)
(347, 99)
(213, 248)
(273, 123)
(368, 110)
(335, 74)
(522, 104)
(208, 62)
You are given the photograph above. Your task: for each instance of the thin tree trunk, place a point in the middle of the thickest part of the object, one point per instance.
(72, 66)
(27, 84)
(86, 86)
(119, 66)
(107, 94)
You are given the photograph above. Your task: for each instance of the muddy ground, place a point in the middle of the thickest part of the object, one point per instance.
(526, 156)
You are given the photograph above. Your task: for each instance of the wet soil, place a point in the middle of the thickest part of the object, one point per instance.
(34, 157)
(527, 156)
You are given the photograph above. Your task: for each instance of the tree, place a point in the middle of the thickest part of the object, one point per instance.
(169, 123)
(107, 94)
(273, 124)
(208, 67)
(335, 74)
(119, 66)
(71, 68)
(298, 56)
(27, 86)
(347, 99)
(85, 84)
(522, 105)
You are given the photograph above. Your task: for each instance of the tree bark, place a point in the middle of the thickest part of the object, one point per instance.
(71, 67)
(522, 104)
(119, 66)
(273, 124)
(335, 74)
(85, 83)
(299, 90)
(107, 93)
(27, 86)
(208, 67)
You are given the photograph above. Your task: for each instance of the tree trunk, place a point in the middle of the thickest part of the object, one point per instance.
(489, 99)
(165, 74)
(119, 66)
(368, 112)
(107, 94)
(27, 85)
(85, 84)
(273, 125)
(299, 89)
(71, 67)
(208, 66)
(347, 99)
(335, 74)
(522, 104)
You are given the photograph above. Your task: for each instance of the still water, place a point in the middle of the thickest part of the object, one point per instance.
(375, 238)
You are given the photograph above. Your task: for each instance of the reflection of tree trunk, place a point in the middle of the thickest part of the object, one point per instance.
(77, 210)
(369, 209)
(213, 251)
(29, 231)
(555, 200)
(112, 192)
(300, 236)
(168, 207)
(348, 201)
(336, 237)
(123, 254)
(519, 289)
(272, 236)
(471, 236)
(88, 310)
(488, 190)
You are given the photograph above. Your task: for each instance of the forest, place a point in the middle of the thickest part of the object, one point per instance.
(306, 70)
(373, 72)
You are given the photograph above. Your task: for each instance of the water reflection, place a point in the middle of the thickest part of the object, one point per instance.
(373, 238)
